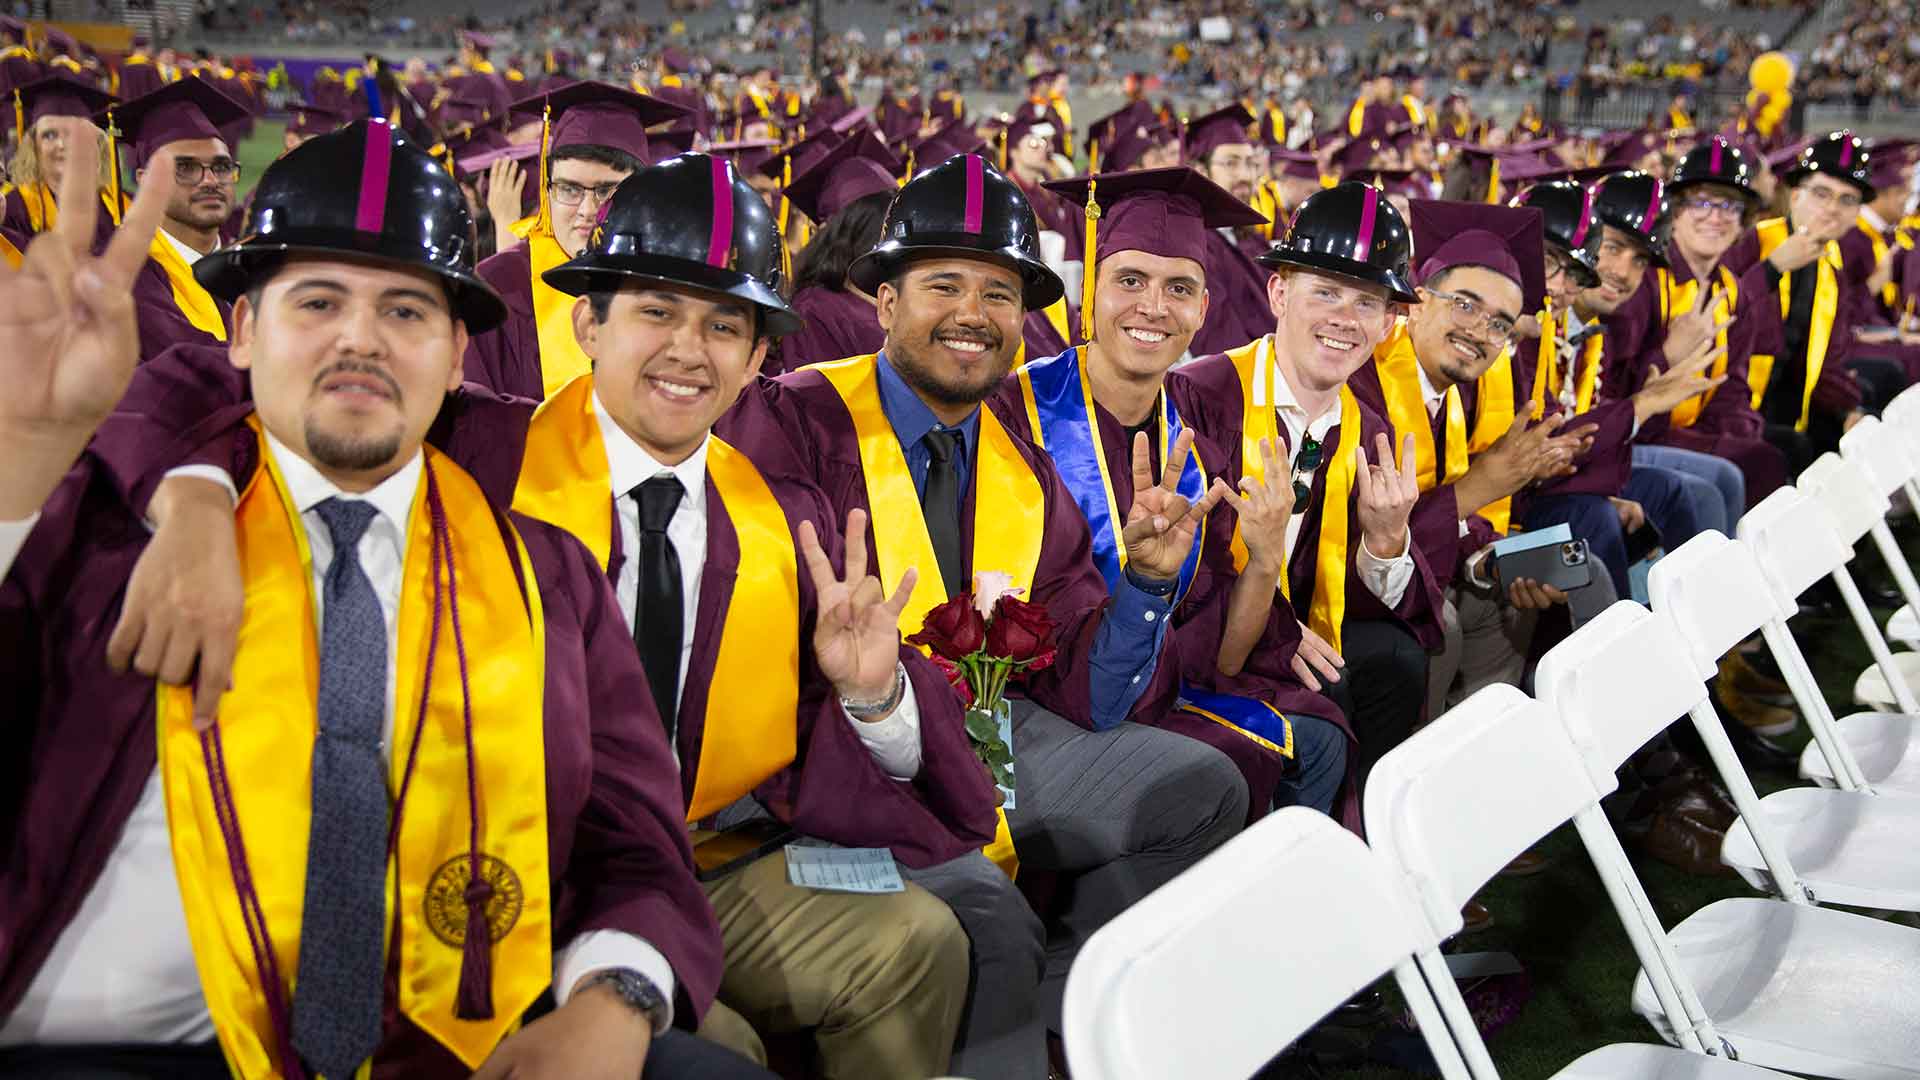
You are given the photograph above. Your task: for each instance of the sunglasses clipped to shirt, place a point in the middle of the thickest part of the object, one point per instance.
(1305, 464)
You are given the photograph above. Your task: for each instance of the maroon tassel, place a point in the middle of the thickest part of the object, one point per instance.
(476, 953)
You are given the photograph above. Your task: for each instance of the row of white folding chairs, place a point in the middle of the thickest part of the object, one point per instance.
(1217, 971)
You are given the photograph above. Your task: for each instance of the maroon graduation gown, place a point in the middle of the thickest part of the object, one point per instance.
(82, 748)
(839, 324)
(1603, 469)
(1208, 397)
(1237, 307)
(190, 401)
(15, 217)
(138, 78)
(1200, 621)
(1436, 517)
(1834, 390)
(801, 415)
(162, 323)
(506, 359)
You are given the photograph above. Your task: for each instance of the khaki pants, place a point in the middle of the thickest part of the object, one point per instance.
(879, 979)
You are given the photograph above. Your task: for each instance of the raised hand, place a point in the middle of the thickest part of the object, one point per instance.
(1315, 662)
(1387, 492)
(505, 183)
(67, 317)
(1797, 250)
(1666, 389)
(856, 635)
(1264, 510)
(1161, 523)
(1694, 325)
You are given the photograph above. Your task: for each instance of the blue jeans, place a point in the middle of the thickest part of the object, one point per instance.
(1723, 475)
(1320, 748)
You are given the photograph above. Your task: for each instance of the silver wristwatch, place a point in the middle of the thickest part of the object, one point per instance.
(868, 710)
(637, 991)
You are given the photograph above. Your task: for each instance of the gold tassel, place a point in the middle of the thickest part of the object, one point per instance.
(1087, 266)
(546, 135)
(1093, 156)
(909, 176)
(1493, 181)
(1003, 149)
(113, 168)
(19, 114)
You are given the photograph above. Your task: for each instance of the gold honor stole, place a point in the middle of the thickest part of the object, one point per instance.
(1009, 514)
(248, 778)
(1493, 415)
(9, 254)
(1675, 297)
(1060, 413)
(196, 303)
(564, 481)
(1328, 608)
(1826, 304)
(561, 358)
(1399, 372)
(1890, 292)
(42, 211)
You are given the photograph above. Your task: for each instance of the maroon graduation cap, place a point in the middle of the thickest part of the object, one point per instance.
(1165, 212)
(311, 120)
(58, 94)
(1892, 159)
(1508, 240)
(799, 157)
(858, 167)
(188, 109)
(598, 114)
(1298, 164)
(1135, 143)
(1222, 127)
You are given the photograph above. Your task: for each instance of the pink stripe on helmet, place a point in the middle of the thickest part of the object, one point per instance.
(720, 241)
(1713, 161)
(370, 215)
(1369, 206)
(1653, 209)
(976, 193)
(1586, 218)
(1846, 149)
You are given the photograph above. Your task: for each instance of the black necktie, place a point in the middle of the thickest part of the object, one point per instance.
(940, 505)
(657, 622)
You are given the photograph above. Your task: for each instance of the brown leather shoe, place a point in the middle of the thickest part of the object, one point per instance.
(1758, 717)
(1685, 844)
(1754, 683)
(1700, 806)
(1526, 864)
(1476, 917)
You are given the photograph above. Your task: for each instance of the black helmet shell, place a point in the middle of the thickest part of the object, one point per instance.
(1634, 202)
(689, 220)
(1352, 231)
(1568, 216)
(404, 208)
(1715, 161)
(962, 208)
(1841, 155)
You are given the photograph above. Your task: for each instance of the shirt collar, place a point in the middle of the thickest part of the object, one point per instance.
(1879, 224)
(1428, 392)
(629, 466)
(1285, 401)
(910, 417)
(186, 253)
(392, 498)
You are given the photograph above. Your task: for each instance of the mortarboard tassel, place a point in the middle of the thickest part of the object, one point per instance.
(909, 176)
(1493, 181)
(1003, 149)
(1093, 156)
(113, 168)
(19, 113)
(1087, 267)
(546, 135)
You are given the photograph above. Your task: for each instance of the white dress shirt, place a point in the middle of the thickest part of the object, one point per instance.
(1385, 578)
(123, 970)
(894, 742)
(180, 247)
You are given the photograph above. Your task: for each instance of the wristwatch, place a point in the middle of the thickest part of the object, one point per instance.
(867, 710)
(1153, 586)
(637, 991)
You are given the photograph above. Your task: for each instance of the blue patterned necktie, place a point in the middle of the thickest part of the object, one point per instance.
(337, 996)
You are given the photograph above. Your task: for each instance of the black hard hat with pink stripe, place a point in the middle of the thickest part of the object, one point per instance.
(1841, 155)
(405, 209)
(689, 221)
(1350, 231)
(1634, 202)
(961, 208)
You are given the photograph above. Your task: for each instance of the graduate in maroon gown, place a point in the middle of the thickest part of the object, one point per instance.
(1237, 691)
(184, 118)
(580, 865)
(139, 75)
(32, 205)
(598, 137)
(1030, 145)
(901, 436)
(847, 191)
(1219, 146)
(18, 66)
(1367, 603)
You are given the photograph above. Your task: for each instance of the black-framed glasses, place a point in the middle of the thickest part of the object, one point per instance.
(1305, 464)
(1471, 314)
(568, 193)
(188, 171)
(1708, 207)
(1845, 200)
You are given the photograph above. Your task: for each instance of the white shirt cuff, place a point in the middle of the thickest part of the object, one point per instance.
(599, 950)
(13, 537)
(895, 741)
(1386, 579)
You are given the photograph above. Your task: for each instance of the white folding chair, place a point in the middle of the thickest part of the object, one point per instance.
(1856, 509)
(1787, 985)
(1849, 844)
(1218, 970)
(1457, 801)
(1794, 545)
(1902, 414)
(1890, 461)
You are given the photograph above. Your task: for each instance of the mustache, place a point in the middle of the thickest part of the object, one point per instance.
(352, 367)
(1479, 349)
(989, 336)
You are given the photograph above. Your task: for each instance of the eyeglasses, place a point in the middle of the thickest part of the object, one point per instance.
(568, 193)
(1732, 208)
(1237, 164)
(1558, 266)
(1470, 314)
(1845, 200)
(1305, 464)
(188, 171)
